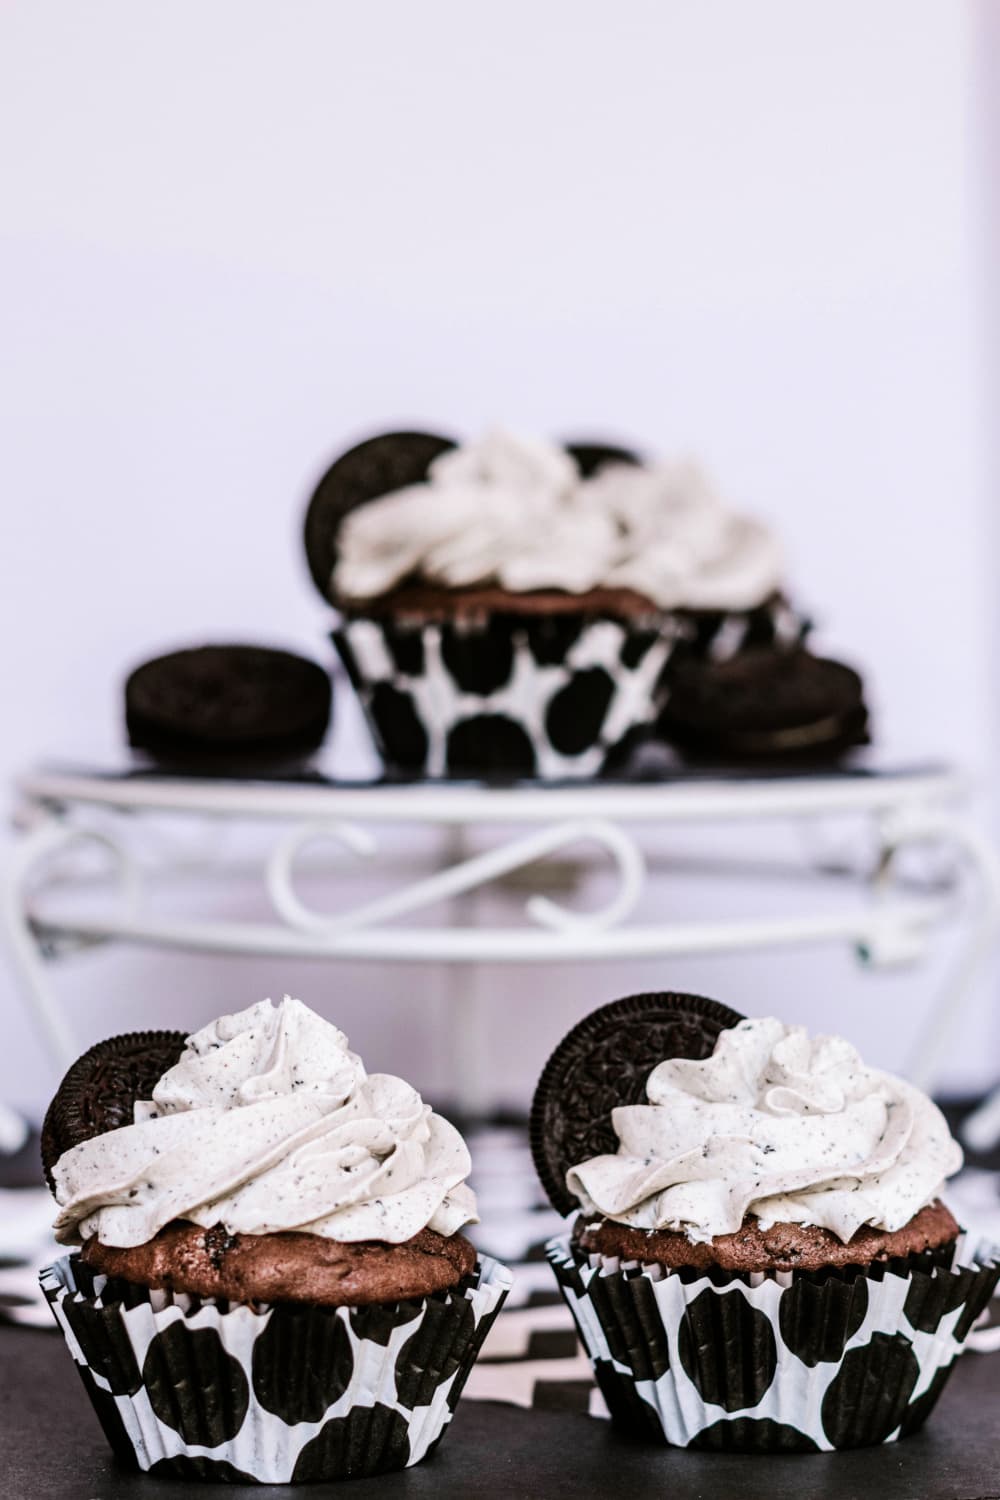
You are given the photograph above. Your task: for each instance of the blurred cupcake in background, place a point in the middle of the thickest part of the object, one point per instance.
(511, 607)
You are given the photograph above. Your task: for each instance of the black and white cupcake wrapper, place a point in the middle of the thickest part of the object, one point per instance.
(203, 1389)
(783, 1362)
(718, 636)
(512, 695)
(496, 698)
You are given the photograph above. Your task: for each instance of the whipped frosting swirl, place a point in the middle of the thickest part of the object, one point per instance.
(777, 1125)
(515, 512)
(268, 1122)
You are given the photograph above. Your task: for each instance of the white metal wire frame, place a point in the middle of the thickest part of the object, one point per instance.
(889, 922)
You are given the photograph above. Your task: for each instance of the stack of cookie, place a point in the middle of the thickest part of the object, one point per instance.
(232, 707)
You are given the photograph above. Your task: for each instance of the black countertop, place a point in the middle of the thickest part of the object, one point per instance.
(51, 1447)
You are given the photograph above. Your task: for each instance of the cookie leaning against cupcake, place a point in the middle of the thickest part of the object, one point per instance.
(272, 1284)
(760, 1259)
(510, 607)
(765, 707)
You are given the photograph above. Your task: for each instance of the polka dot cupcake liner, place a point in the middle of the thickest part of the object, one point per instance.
(506, 696)
(208, 1390)
(552, 696)
(778, 1362)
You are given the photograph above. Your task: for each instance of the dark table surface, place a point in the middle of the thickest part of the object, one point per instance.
(52, 1447)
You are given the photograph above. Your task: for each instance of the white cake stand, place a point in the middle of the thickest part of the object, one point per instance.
(890, 917)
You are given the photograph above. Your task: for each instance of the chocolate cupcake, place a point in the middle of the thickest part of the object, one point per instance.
(227, 704)
(759, 1259)
(510, 608)
(765, 706)
(272, 1285)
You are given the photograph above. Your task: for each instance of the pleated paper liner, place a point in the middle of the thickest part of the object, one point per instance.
(508, 696)
(204, 1389)
(775, 1362)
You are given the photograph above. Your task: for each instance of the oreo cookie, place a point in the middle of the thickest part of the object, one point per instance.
(232, 701)
(605, 1062)
(765, 705)
(100, 1090)
(590, 457)
(373, 468)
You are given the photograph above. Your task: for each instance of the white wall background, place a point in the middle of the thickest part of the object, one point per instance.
(236, 236)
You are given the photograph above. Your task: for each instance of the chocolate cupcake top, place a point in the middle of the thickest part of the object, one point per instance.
(525, 515)
(268, 1122)
(774, 1126)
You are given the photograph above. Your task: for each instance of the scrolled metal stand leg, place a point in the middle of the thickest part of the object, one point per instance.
(28, 956)
(983, 1127)
(981, 1130)
(471, 1095)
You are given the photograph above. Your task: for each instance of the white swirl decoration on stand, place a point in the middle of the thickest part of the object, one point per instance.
(466, 875)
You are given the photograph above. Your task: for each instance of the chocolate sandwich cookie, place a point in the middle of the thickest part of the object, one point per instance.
(227, 701)
(592, 457)
(605, 1062)
(376, 467)
(762, 705)
(100, 1090)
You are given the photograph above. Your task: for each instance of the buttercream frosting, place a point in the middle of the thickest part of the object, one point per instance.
(515, 512)
(269, 1122)
(776, 1125)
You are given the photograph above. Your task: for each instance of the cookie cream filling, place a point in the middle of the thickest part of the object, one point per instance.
(269, 1122)
(777, 1125)
(515, 512)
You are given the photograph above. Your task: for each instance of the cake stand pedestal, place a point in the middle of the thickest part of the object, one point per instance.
(55, 904)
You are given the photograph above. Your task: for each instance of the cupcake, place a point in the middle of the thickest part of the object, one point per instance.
(271, 1284)
(759, 1258)
(225, 705)
(511, 607)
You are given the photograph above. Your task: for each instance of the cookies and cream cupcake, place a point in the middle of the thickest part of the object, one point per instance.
(512, 606)
(760, 1258)
(272, 1283)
